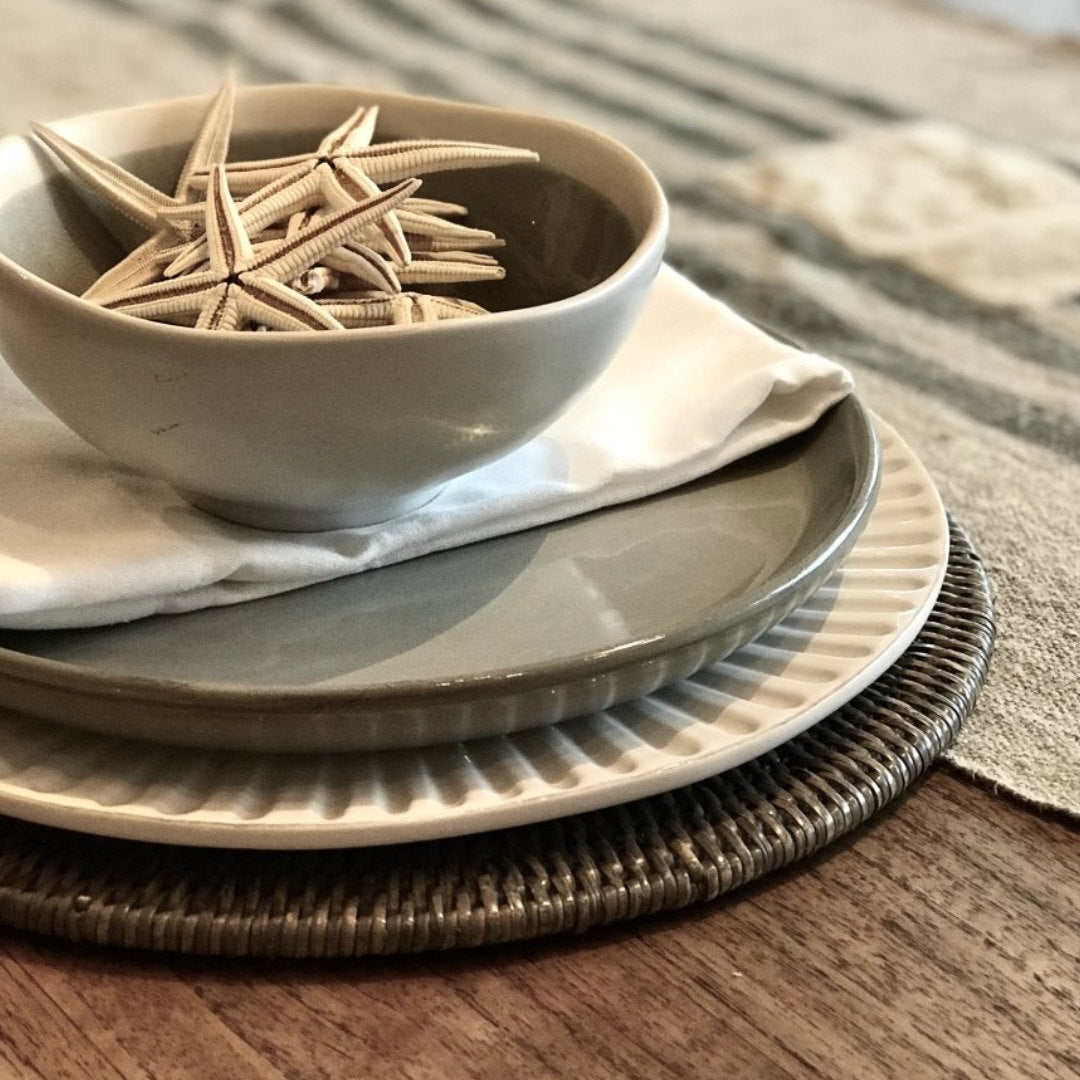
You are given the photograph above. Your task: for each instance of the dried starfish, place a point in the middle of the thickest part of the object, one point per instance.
(443, 253)
(362, 266)
(373, 269)
(247, 285)
(340, 185)
(234, 256)
(342, 178)
(349, 155)
(297, 190)
(142, 203)
(354, 133)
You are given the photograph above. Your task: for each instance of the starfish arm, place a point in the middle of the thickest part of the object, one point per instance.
(126, 193)
(267, 236)
(424, 309)
(421, 223)
(442, 234)
(358, 130)
(427, 308)
(334, 194)
(296, 184)
(211, 145)
(386, 162)
(299, 221)
(352, 314)
(355, 185)
(309, 245)
(445, 267)
(296, 190)
(227, 242)
(165, 299)
(436, 207)
(443, 244)
(261, 246)
(364, 264)
(402, 309)
(220, 310)
(246, 177)
(266, 301)
(140, 267)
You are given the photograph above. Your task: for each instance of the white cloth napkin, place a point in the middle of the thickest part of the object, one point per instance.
(84, 542)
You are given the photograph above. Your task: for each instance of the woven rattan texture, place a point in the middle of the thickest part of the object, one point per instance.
(656, 854)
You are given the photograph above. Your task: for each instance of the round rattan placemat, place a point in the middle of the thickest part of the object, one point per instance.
(657, 854)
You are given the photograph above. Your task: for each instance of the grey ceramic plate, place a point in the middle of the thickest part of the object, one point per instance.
(495, 637)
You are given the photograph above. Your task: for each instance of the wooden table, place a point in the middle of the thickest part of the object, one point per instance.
(942, 940)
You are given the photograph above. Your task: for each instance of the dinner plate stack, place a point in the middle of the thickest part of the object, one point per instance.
(566, 668)
(625, 712)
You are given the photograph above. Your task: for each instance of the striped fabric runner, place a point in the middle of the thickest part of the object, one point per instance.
(889, 186)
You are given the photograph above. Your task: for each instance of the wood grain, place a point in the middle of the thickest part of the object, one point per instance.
(940, 941)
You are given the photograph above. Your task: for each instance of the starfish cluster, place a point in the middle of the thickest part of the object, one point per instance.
(334, 239)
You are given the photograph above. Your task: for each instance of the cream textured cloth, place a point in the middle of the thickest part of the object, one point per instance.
(84, 542)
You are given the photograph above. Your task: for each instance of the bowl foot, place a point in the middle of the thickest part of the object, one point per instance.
(281, 518)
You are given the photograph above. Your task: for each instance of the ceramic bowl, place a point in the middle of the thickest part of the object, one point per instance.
(336, 428)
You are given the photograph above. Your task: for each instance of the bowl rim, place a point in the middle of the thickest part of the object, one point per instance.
(652, 240)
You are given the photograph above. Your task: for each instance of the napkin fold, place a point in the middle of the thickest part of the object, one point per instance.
(86, 542)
